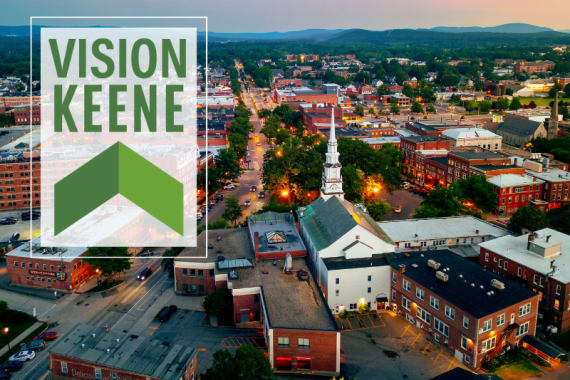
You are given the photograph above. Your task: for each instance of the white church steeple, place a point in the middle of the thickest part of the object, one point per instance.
(332, 180)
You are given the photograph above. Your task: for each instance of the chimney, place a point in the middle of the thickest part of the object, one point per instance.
(256, 245)
(533, 179)
(402, 268)
(548, 238)
(530, 239)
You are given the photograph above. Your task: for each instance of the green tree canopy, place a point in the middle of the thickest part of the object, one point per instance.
(167, 262)
(440, 202)
(527, 217)
(476, 189)
(107, 264)
(359, 110)
(515, 104)
(408, 91)
(553, 91)
(384, 90)
(485, 106)
(232, 210)
(417, 107)
(247, 364)
(219, 304)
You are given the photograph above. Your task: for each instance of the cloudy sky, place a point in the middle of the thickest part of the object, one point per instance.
(238, 16)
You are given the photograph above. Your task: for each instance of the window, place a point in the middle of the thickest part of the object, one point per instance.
(353, 306)
(211, 273)
(185, 287)
(59, 268)
(394, 277)
(464, 342)
(500, 263)
(200, 273)
(556, 304)
(423, 315)
(37, 266)
(420, 293)
(304, 344)
(200, 288)
(486, 255)
(393, 295)
(488, 344)
(337, 281)
(406, 285)
(283, 342)
(558, 289)
(434, 302)
(541, 281)
(369, 290)
(337, 292)
(487, 325)
(524, 310)
(369, 278)
(466, 357)
(449, 312)
(406, 303)
(506, 265)
(114, 375)
(192, 272)
(63, 368)
(465, 322)
(256, 299)
(98, 373)
(193, 288)
(184, 272)
(51, 268)
(16, 264)
(441, 327)
(500, 320)
(519, 272)
(535, 279)
(523, 329)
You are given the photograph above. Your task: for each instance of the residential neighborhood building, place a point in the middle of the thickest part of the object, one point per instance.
(555, 190)
(517, 131)
(532, 67)
(473, 137)
(26, 114)
(515, 191)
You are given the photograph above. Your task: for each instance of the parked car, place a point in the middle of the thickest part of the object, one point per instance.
(15, 236)
(398, 209)
(5, 374)
(166, 313)
(410, 188)
(146, 253)
(12, 365)
(219, 197)
(24, 356)
(34, 345)
(253, 188)
(229, 186)
(46, 336)
(259, 143)
(8, 220)
(261, 194)
(30, 215)
(248, 201)
(416, 190)
(405, 185)
(145, 274)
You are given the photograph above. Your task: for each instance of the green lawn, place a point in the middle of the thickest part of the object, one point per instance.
(28, 339)
(562, 340)
(537, 101)
(520, 369)
(104, 286)
(17, 322)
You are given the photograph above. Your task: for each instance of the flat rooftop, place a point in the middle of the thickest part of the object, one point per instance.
(552, 175)
(277, 232)
(507, 180)
(514, 248)
(440, 228)
(291, 301)
(428, 138)
(38, 252)
(144, 356)
(469, 133)
(473, 155)
(340, 263)
(468, 285)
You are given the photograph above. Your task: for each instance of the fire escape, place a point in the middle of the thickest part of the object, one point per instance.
(501, 341)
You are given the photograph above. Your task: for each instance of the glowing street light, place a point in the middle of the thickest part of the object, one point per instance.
(285, 193)
(5, 331)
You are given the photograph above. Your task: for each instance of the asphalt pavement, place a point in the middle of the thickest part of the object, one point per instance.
(404, 198)
(21, 226)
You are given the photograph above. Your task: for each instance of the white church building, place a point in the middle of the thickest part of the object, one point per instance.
(345, 245)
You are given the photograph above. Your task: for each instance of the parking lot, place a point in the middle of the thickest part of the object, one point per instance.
(388, 347)
(22, 226)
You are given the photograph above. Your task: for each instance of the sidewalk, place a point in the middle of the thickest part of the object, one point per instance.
(14, 343)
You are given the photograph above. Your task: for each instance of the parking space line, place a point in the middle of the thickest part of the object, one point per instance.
(235, 343)
(426, 348)
(416, 338)
(253, 341)
(450, 364)
(348, 320)
(438, 356)
(360, 322)
(405, 331)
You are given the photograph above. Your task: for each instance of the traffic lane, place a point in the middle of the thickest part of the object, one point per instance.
(403, 198)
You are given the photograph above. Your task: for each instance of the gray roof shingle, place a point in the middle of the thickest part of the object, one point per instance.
(519, 127)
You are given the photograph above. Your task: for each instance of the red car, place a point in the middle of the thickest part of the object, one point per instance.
(48, 335)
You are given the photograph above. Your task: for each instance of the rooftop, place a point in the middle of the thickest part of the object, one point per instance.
(267, 224)
(469, 133)
(518, 126)
(422, 139)
(552, 175)
(38, 252)
(468, 286)
(339, 263)
(440, 228)
(486, 168)
(293, 300)
(514, 248)
(474, 155)
(439, 160)
(507, 180)
(127, 352)
(382, 140)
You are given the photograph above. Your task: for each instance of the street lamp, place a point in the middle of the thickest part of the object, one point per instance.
(5, 331)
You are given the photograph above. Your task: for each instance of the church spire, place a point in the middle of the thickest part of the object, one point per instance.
(332, 180)
(552, 131)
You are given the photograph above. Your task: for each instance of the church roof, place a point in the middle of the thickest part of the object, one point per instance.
(519, 127)
(327, 221)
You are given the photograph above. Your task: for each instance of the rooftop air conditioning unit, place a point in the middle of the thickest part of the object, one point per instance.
(441, 276)
(497, 284)
(433, 264)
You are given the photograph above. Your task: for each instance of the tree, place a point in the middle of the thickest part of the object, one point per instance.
(219, 304)
(430, 109)
(19, 87)
(353, 96)
(567, 90)
(3, 308)
(359, 110)
(247, 364)
(527, 217)
(427, 94)
(469, 105)
(384, 90)
(263, 113)
(377, 208)
(394, 108)
(408, 91)
(559, 220)
(440, 202)
(480, 86)
(501, 104)
(107, 265)
(553, 91)
(227, 163)
(353, 182)
(372, 111)
(509, 91)
(232, 210)
(532, 104)
(515, 104)
(363, 77)
(417, 107)
(7, 119)
(167, 263)
(485, 106)
(476, 189)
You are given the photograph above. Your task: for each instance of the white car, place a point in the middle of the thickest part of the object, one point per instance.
(229, 186)
(23, 356)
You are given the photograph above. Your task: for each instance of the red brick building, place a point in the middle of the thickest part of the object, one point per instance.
(28, 115)
(472, 312)
(539, 261)
(460, 163)
(514, 191)
(531, 67)
(556, 189)
(403, 101)
(282, 82)
(47, 269)
(119, 355)
(18, 99)
(305, 95)
(20, 182)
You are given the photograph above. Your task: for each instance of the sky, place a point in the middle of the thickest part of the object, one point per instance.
(249, 16)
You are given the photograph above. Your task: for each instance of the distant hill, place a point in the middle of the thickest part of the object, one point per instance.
(506, 28)
(308, 34)
(565, 31)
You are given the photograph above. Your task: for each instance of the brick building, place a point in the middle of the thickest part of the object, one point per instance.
(314, 116)
(302, 57)
(416, 149)
(472, 312)
(62, 269)
(539, 261)
(89, 352)
(556, 189)
(20, 181)
(403, 101)
(425, 129)
(514, 191)
(459, 164)
(283, 82)
(28, 115)
(305, 94)
(17, 99)
(532, 67)
(300, 332)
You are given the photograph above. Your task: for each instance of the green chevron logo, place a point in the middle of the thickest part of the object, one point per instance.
(119, 170)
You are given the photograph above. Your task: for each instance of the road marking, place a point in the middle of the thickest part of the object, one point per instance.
(416, 338)
(438, 356)
(48, 310)
(138, 287)
(44, 376)
(154, 328)
(405, 331)
(349, 323)
(139, 308)
(450, 364)
(423, 352)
